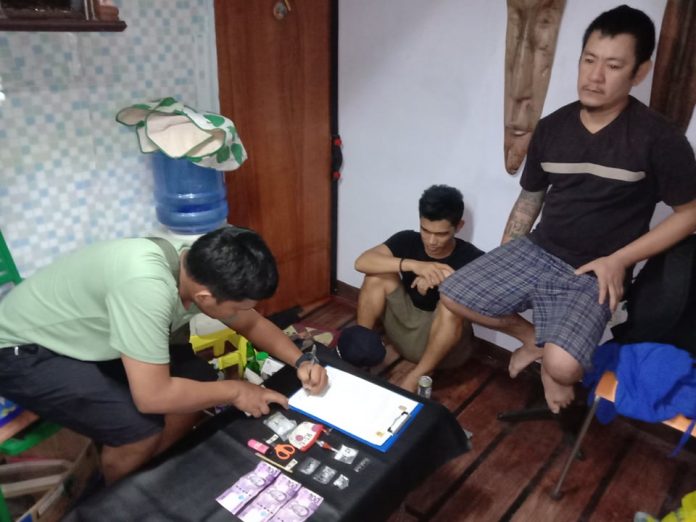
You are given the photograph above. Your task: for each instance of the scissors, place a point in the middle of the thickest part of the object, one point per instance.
(284, 451)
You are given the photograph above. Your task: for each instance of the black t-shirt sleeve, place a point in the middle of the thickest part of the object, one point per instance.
(675, 168)
(533, 178)
(401, 243)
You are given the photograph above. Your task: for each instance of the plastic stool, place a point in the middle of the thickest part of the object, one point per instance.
(216, 341)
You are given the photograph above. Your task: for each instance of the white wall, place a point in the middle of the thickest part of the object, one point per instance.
(421, 102)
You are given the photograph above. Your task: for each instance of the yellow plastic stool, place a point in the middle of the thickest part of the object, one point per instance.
(216, 341)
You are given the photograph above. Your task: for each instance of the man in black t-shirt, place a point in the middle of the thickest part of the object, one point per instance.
(401, 282)
(596, 168)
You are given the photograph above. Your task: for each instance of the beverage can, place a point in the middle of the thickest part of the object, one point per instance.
(425, 386)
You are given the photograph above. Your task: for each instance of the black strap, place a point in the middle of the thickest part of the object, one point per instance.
(171, 255)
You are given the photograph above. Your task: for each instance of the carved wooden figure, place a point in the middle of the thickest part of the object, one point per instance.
(532, 32)
(674, 80)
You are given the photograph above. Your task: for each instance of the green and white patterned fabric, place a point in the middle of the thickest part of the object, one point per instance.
(208, 140)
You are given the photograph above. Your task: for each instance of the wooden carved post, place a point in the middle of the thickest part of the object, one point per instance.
(530, 45)
(674, 80)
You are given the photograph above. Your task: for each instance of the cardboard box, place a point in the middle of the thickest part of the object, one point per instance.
(81, 462)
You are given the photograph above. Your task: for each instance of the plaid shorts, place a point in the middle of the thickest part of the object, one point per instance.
(520, 275)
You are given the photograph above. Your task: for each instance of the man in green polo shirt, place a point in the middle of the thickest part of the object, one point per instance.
(85, 341)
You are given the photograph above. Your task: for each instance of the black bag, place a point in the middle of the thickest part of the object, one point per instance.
(661, 302)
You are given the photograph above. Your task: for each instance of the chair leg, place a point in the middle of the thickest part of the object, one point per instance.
(529, 414)
(556, 494)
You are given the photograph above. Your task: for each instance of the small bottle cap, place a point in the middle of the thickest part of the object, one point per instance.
(425, 381)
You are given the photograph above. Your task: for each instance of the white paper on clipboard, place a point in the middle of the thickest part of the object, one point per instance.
(359, 408)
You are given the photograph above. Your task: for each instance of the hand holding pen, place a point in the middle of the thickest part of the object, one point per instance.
(311, 372)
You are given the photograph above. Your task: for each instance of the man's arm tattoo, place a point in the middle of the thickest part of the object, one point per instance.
(523, 215)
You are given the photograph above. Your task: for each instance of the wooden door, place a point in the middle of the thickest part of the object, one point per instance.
(274, 84)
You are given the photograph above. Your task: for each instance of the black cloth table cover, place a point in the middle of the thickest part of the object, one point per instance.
(183, 483)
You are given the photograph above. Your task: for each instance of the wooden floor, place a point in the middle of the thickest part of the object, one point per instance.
(513, 466)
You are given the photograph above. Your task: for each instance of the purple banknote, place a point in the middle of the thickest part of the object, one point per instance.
(298, 508)
(270, 500)
(247, 487)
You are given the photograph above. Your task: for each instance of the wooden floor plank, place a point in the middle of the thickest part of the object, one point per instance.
(494, 486)
(453, 387)
(396, 373)
(401, 515)
(601, 445)
(684, 482)
(336, 314)
(391, 357)
(479, 417)
(640, 484)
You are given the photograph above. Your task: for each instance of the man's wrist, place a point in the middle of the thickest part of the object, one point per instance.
(305, 357)
(232, 390)
(621, 259)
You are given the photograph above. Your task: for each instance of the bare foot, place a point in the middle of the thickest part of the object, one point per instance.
(410, 382)
(523, 357)
(557, 395)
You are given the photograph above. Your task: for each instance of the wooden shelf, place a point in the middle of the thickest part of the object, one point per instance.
(60, 24)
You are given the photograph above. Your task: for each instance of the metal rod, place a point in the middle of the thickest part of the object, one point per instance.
(556, 493)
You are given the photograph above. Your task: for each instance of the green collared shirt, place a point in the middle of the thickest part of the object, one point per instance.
(107, 299)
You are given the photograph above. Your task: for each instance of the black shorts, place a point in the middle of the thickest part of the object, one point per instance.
(91, 398)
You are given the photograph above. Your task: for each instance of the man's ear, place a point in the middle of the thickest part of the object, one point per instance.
(202, 296)
(459, 226)
(642, 72)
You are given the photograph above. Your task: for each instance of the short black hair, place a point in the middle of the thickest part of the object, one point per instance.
(626, 20)
(234, 264)
(441, 202)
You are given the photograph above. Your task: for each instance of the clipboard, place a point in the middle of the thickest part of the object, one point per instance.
(358, 408)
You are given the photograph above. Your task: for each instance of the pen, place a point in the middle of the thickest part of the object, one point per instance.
(270, 461)
(314, 354)
(312, 361)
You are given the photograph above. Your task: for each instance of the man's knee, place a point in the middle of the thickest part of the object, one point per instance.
(466, 313)
(372, 299)
(380, 283)
(452, 323)
(561, 365)
(452, 306)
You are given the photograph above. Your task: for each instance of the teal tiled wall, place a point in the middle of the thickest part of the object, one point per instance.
(69, 174)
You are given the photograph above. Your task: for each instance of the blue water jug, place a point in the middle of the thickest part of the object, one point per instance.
(190, 199)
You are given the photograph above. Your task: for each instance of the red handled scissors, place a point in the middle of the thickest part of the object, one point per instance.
(284, 451)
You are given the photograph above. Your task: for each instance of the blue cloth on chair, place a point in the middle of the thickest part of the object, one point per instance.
(656, 381)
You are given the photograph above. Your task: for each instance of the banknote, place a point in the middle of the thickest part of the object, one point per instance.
(270, 500)
(298, 508)
(247, 487)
